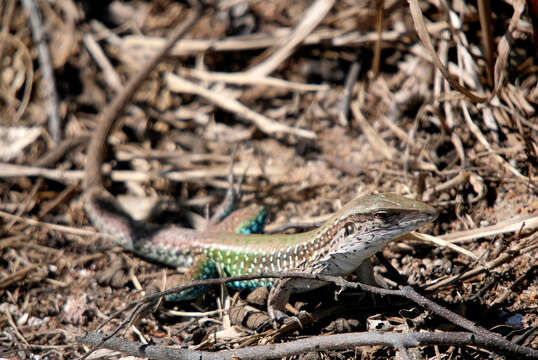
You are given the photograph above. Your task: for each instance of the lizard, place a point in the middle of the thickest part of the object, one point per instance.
(357, 231)
(232, 246)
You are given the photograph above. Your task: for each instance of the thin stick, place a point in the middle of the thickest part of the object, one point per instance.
(178, 84)
(379, 5)
(6, 23)
(110, 75)
(328, 342)
(311, 19)
(96, 150)
(484, 12)
(343, 107)
(147, 45)
(247, 79)
(424, 36)
(48, 82)
(482, 139)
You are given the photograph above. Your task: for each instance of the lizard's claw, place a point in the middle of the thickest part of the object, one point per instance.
(293, 319)
(283, 319)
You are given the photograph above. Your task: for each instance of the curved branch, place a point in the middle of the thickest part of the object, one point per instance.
(329, 342)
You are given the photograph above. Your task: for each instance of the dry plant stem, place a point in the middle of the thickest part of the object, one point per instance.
(61, 228)
(330, 342)
(107, 116)
(439, 310)
(60, 198)
(443, 243)
(11, 322)
(138, 310)
(343, 107)
(24, 205)
(29, 75)
(503, 49)
(402, 352)
(6, 22)
(178, 84)
(406, 292)
(48, 82)
(10, 170)
(17, 276)
(478, 134)
(326, 343)
(412, 295)
(110, 75)
(442, 50)
(424, 36)
(311, 19)
(459, 179)
(380, 145)
(503, 258)
(149, 44)
(247, 79)
(525, 222)
(484, 11)
(396, 130)
(458, 145)
(131, 153)
(379, 4)
(372, 136)
(52, 157)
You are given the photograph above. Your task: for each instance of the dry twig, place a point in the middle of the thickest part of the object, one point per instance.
(48, 83)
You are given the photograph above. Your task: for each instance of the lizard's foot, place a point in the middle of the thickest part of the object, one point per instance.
(278, 317)
(170, 282)
(278, 298)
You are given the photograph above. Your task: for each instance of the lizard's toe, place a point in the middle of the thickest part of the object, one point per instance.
(281, 318)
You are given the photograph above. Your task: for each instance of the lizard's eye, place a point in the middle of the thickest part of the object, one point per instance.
(349, 229)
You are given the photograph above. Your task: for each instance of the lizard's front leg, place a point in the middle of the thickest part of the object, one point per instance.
(202, 268)
(365, 272)
(278, 298)
(280, 295)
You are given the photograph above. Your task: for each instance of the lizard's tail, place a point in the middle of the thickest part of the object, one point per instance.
(108, 217)
(102, 209)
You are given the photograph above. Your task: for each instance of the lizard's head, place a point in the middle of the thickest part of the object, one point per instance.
(385, 211)
(366, 224)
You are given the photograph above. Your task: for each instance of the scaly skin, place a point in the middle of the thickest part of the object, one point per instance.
(353, 234)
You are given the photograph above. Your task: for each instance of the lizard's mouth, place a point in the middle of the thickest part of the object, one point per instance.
(406, 217)
(410, 221)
